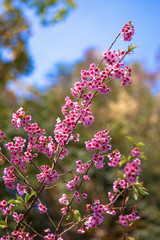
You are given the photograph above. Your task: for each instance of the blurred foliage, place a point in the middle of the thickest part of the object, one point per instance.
(132, 111)
(15, 30)
(14, 58)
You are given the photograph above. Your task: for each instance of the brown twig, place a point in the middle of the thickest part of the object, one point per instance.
(62, 218)
(29, 226)
(31, 204)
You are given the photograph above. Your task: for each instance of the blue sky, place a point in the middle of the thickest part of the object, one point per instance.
(94, 24)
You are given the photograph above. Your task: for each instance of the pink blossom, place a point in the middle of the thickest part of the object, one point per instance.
(135, 152)
(80, 231)
(127, 31)
(42, 208)
(21, 189)
(132, 170)
(2, 134)
(63, 200)
(114, 158)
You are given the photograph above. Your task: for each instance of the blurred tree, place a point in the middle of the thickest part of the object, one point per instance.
(14, 57)
(15, 31)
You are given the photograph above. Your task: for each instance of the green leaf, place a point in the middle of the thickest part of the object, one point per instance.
(135, 193)
(131, 238)
(142, 190)
(131, 140)
(140, 144)
(20, 199)
(28, 196)
(13, 201)
(32, 193)
(3, 224)
(68, 217)
(6, 219)
(143, 157)
(130, 48)
(76, 216)
(124, 160)
(21, 205)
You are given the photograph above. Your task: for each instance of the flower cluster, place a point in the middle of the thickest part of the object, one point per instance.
(16, 151)
(42, 208)
(98, 160)
(118, 185)
(18, 234)
(49, 236)
(7, 210)
(97, 217)
(127, 31)
(47, 174)
(130, 217)
(110, 210)
(115, 158)
(45, 145)
(116, 68)
(17, 217)
(21, 189)
(135, 152)
(72, 184)
(77, 195)
(63, 200)
(132, 170)
(9, 177)
(81, 167)
(92, 79)
(64, 210)
(20, 118)
(36, 139)
(63, 129)
(99, 142)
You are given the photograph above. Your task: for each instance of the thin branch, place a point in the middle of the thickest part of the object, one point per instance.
(114, 41)
(29, 226)
(50, 219)
(36, 166)
(31, 205)
(109, 48)
(120, 194)
(76, 223)
(62, 218)
(50, 187)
